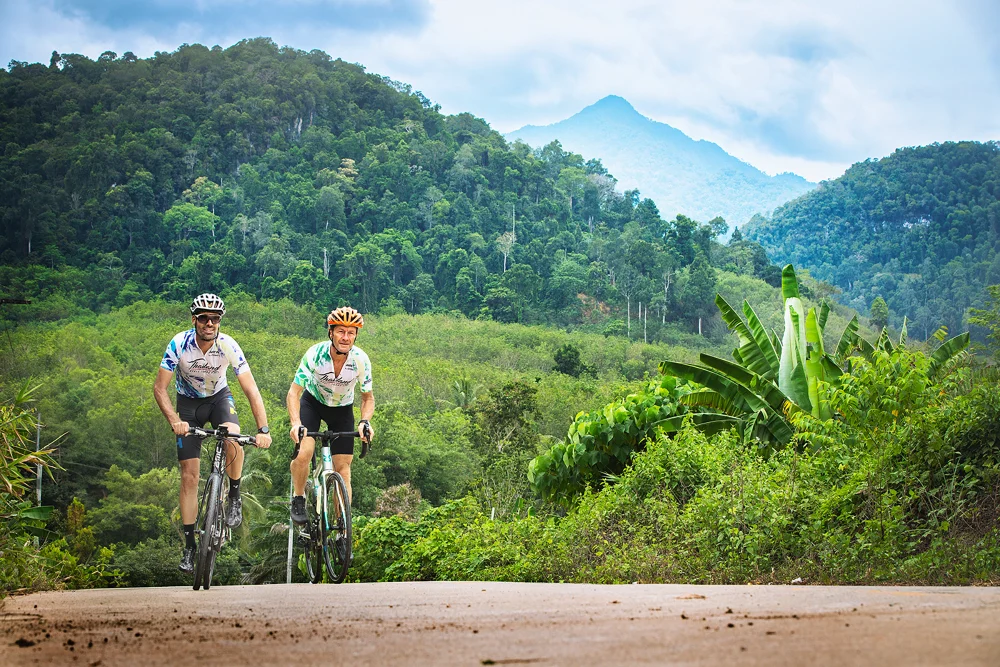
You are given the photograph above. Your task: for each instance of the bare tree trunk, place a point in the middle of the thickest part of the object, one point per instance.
(628, 311)
(699, 325)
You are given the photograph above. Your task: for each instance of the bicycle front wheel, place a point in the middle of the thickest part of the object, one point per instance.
(337, 531)
(313, 544)
(211, 524)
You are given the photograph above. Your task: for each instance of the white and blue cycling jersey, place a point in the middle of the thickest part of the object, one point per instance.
(200, 374)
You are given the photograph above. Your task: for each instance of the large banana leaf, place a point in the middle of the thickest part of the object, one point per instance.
(750, 352)
(724, 385)
(711, 399)
(948, 349)
(824, 313)
(764, 342)
(792, 379)
(850, 340)
(789, 283)
(762, 387)
(707, 422)
(883, 342)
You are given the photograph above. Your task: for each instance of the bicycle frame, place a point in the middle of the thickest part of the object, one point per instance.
(320, 527)
(213, 503)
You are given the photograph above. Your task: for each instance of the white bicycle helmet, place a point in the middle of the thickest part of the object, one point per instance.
(208, 302)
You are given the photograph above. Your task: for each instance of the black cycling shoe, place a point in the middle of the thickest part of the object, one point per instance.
(299, 509)
(187, 560)
(234, 513)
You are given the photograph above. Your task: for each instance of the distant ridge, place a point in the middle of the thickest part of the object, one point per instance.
(696, 178)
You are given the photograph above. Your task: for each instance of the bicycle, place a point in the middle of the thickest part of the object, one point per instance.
(326, 536)
(213, 531)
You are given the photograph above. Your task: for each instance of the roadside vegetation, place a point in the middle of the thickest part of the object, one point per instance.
(493, 462)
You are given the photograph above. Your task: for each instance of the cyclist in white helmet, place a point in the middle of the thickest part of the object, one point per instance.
(199, 358)
(323, 389)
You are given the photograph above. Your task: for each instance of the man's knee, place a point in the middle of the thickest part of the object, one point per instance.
(189, 473)
(304, 451)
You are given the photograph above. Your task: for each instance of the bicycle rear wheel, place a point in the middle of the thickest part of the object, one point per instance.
(337, 537)
(314, 544)
(210, 527)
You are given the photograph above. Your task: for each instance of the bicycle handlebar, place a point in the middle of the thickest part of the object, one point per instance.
(329, 436)
(242, 440)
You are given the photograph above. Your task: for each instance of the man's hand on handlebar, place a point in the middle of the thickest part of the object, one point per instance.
(180, 428)
(366, 431)
(296, 432)
(263, 440)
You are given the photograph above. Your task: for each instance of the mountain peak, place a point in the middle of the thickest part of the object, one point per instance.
(682, 175)
(612, 103)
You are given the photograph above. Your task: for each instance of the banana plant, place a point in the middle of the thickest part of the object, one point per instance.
(771, 377)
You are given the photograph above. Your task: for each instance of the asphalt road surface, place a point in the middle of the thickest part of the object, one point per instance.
(475, 623)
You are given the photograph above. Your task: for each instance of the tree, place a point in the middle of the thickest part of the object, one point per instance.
(699, 290)
(568, 361)
(879, 313)
(505, 243)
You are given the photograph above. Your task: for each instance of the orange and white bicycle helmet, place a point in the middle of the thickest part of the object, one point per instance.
(208, 302)
(344, 316)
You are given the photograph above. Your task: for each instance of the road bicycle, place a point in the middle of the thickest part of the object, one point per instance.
(326, 535)
(213, 531)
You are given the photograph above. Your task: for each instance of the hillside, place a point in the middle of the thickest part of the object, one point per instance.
(288, 174)
(920, 228)
(696, 178)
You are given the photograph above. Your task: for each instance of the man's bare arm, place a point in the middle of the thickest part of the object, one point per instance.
(292, 403)
(160, 393)
(249, 386)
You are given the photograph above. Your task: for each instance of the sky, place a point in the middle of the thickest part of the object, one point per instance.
(786, 85)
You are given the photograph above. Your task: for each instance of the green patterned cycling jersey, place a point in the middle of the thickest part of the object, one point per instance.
(315, 375)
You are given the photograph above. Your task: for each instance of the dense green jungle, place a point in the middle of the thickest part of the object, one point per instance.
(919, 229)
(558, 393)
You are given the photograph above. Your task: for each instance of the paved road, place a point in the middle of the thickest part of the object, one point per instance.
(469, 623)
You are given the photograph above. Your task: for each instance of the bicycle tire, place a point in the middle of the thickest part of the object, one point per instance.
(313, 546)
(338, 529)
(209, 528)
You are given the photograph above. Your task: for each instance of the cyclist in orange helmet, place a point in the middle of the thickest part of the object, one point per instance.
(323, 389)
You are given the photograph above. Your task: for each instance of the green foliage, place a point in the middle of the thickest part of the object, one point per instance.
(879, 313)
(901, 488)
(153, 562)
(918, 227)
(567, 360)
(28, 566)
(602, 442)
(355, 188)
(988, 319)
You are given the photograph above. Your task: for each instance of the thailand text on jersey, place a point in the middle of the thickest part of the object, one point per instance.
(316, 375)
(200, 374)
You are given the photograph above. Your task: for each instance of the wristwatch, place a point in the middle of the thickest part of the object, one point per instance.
(264, 429)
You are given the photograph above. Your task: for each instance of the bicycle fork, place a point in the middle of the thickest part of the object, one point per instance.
(319, 482)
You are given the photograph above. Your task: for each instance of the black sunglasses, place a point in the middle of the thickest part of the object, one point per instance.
(205, 319)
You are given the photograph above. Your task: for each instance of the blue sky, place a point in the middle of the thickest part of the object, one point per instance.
(786, 85)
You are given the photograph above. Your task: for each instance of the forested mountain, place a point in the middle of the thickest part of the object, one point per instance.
(696, 178)
(920, 228)
(283, 173)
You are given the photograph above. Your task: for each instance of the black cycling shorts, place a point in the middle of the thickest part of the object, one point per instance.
(338, 418)
(218, 409)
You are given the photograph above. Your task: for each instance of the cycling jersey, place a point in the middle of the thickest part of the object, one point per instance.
(316, 375)
(200, 374)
